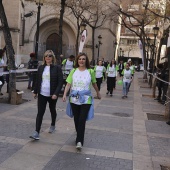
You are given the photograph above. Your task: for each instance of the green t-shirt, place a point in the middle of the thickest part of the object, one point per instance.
(81, 80)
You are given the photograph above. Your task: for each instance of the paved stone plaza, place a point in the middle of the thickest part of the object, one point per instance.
(120, 137)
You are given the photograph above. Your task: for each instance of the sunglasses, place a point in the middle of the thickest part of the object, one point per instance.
(49, 55)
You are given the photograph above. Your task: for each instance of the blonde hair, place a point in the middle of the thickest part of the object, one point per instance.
(47, 53)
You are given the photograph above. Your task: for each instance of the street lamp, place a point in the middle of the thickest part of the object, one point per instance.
(82, 26)
(155, 33)
(39, 3)
(98, 46)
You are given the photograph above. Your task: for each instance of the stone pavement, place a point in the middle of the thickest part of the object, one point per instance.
(120, 137)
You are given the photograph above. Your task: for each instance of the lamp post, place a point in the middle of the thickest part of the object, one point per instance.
(155, 33)
(120, 55)
(98, 46)
(39, 3)
(115, 49)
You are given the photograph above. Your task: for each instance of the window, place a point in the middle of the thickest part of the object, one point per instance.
(133, 8)
(131, 42)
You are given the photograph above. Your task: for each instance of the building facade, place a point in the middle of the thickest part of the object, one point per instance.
(22, 20)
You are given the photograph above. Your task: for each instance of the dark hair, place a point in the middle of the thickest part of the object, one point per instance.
(111, 63)
(98, 62)
(87, 60)
(71, 56)
(1, 53)
(32, 54)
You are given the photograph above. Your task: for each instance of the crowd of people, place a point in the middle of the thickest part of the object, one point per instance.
(78, 77)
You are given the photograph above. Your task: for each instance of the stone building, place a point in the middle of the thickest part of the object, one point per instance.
(22, 20)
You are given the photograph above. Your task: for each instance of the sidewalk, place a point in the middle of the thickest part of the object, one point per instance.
(120, 137)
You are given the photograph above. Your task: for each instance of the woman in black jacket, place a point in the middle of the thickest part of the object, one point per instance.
(47, 87)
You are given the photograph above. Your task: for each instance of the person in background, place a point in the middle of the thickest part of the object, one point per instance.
(121, 67)
(132, 67)
(32, 64)
(111, 77)
(47, 87)
(2, 65)
(68, 64)
(100, 72)
(80, 99)
(127, 79)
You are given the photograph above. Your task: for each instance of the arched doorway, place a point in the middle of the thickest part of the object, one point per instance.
(52, 43)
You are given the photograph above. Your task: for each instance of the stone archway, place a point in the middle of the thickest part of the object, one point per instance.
(52, 43)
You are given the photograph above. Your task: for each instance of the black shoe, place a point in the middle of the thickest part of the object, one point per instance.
(168, 123)
(107, 92)
(157, 98)
(1, 94)
(111, 94)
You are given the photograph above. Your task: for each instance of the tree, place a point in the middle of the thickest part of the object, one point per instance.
(9, 50)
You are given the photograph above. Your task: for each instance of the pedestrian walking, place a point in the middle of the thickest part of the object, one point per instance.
(47, 87)
(111, 77)
(2, 65)
(121, 67)
(132, 68)
(80, 105)
(127, 79)
(32, 64)
(100, 72)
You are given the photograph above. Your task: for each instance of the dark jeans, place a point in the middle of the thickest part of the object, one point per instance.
(42, 102)
(165, 89)
(7, 81)
(111, 82)
(2, 80)
(99, 82)
(80, 113)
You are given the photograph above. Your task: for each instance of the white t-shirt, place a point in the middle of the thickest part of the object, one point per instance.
(99, 71)
(81, 80)
(127, 75)
(45, 85)
(2, 63)
(68, 66)
(112, 72)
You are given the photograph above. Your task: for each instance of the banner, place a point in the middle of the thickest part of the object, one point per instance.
(141, 52)
(82, 40)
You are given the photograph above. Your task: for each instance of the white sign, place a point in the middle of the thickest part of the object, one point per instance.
(82, 40)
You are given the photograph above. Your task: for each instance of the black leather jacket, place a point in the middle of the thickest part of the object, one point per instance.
(56, 79)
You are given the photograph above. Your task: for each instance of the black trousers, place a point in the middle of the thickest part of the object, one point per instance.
(120, 73)
(80, 113)
(99, 82)
(111, 83)
(42, 102)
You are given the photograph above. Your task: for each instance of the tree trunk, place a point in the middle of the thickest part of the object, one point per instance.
(60, 50)
(93, 46)
(154, 88)
(77, 38)
(9, 50)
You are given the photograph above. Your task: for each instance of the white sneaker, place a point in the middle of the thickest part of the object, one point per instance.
(79, 146)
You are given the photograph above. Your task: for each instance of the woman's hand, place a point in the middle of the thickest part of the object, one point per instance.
(54, 97)
(64, 98)
(98, 95)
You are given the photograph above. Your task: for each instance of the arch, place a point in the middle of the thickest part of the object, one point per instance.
(50, 17)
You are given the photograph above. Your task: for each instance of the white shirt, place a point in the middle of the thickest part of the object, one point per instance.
(112, 71)
(81, 81)
(45, 85)
(68, 66)
(127, 76)
(2, 63)
(99, 71)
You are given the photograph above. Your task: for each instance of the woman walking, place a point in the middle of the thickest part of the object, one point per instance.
(99, 70)
(111, 77)
(47, 87)
(80, 98)
(127, 79)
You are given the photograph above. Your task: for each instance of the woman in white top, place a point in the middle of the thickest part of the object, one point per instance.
(48, 85)
(99, 73)
(111, 76)
(127, 79)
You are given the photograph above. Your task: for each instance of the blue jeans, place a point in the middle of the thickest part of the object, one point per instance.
(125, 88)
